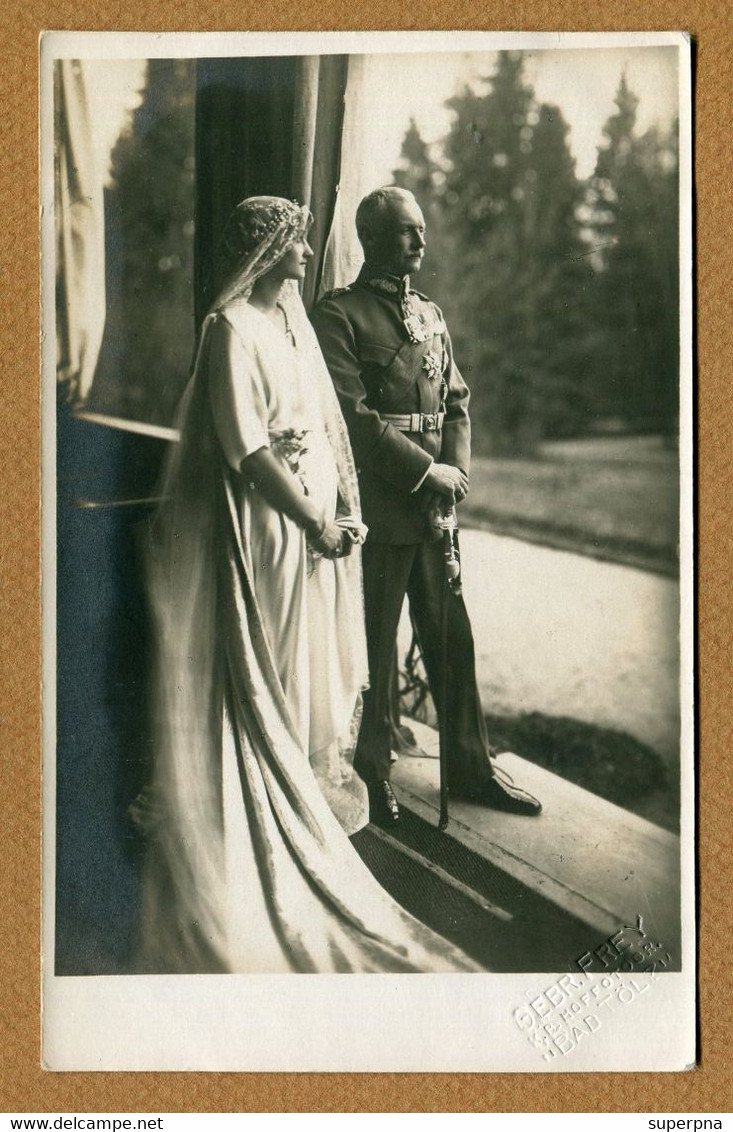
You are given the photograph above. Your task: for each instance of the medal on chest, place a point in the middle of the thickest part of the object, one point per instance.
(418, 326)
(419, 321)
(432, 364)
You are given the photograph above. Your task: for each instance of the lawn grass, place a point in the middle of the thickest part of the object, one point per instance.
(611, 498)
(614, 499)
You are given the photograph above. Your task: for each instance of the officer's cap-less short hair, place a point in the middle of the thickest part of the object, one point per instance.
(374, 205)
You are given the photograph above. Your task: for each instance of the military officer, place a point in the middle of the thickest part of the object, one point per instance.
(406, 408)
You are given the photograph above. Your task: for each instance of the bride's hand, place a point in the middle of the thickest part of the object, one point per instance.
(329, 541)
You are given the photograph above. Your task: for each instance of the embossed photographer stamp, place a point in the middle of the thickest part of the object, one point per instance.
(608, 979)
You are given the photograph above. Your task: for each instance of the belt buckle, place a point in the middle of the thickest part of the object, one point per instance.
(429, 422)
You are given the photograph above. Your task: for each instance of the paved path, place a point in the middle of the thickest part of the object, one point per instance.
(563, 634)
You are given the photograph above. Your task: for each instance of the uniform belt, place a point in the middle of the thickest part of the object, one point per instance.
(415, 422)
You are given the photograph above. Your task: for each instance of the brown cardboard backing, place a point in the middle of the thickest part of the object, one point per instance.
(25, 1086)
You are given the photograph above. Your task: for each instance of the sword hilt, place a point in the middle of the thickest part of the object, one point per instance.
(451, 554)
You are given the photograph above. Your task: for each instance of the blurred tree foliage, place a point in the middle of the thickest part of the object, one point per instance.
(554, 337)
(633, 212)
(562, 295)
(149, 212)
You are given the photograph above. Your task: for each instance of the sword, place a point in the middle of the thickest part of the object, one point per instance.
(448, 524)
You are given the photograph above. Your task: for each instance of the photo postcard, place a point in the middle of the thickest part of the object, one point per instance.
(368, 721)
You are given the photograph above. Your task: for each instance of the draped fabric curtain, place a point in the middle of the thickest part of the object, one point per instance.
(245, 115)
(79, 224)
(283, 125)
(288, 126)
(329, 171)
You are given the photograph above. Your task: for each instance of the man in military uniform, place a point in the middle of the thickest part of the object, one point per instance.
(406, 408)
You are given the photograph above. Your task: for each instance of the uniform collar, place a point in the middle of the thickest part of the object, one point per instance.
(393, 286)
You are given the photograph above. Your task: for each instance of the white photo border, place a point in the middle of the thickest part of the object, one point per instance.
(394, 1023)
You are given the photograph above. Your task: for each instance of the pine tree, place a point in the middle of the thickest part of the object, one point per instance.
(633, 197)
(148, 343)
(518, 273)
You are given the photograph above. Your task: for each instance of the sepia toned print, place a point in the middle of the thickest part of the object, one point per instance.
(371, 557)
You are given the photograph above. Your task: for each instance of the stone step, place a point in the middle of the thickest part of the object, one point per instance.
(596, 861)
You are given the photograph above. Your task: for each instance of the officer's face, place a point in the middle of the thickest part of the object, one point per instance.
(398, 244)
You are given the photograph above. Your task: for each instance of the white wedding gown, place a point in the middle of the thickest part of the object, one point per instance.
(250, 868)
(260, 397)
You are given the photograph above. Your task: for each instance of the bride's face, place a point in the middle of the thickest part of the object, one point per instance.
(294, 262)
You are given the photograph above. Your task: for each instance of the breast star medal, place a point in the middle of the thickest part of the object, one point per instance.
(432, 363)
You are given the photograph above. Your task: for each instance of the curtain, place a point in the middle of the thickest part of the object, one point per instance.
(342, 254)
(329, 166)
(245, 112)
(288, 126)
(317, 134)
(79, 222)
(283, 125)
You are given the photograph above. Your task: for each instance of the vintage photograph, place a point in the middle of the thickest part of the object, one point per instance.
(367, 394)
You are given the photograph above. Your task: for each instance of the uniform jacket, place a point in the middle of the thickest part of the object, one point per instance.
(376, 370)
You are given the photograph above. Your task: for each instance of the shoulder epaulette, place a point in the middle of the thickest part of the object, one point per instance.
(421, 296)
(336, 291)
(432, 302)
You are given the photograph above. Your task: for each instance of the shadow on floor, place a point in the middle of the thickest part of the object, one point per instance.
(609, 763)
(528, 933)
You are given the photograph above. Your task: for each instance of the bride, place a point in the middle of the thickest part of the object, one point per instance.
(255, 587)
